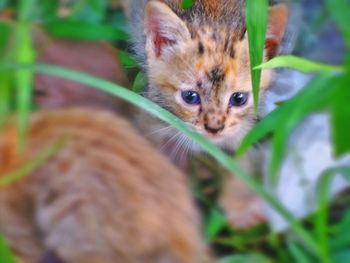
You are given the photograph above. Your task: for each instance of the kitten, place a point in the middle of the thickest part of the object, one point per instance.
(197, 65)
(197, 62)
(106, 197)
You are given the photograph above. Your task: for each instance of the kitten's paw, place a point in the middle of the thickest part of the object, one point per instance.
(244, 215)
(243, 208)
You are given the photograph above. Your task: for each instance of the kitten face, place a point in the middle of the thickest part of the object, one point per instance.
(201, 73)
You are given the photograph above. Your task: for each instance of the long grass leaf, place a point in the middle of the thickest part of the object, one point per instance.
(25, 9)
(5, 76)
(300, 64)
(256, 19)
(299, 255)
(139, 83)
(6, 255)
(341, 114)
(322, 231)
(251, 258)
(23, 77)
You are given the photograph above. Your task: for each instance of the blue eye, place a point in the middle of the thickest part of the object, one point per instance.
(191, 97)
(238, 99)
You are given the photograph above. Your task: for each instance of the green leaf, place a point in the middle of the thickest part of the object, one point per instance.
(187, 4)
(5, 31)
(84, 31)
(341, 114)
(340, 237)
(256, 19)
(321, 222)
(160, 113)
(126, 59)
(5, 76)
(253, 258)
(139, 83)
(298, 253)
(99, 6)
(299, 64)
(5, 95)
(6, 255)
(3, 3)
(48, 10)
(215, 223)
(341, 256)
(25, 9)
(90, 11)
(24, 53)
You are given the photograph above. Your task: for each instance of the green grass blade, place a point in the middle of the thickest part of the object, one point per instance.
(24, 53)
(6, 255)
(5, 32)
(341, 115)
(5, 76)
(339, 231)
(256, 19)
(299, 255)
(5, 96)
(139, 83)
(48, 10)
(322, 230)
(157, 111)
(25, 9)
(216, 221)
(187, 4)
(85, 31)
(300, 64)
(126, 59)
(252, 258)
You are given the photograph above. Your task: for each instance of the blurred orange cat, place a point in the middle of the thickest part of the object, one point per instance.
(107, 196)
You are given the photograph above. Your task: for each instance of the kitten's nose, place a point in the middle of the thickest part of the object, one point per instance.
(213, 130)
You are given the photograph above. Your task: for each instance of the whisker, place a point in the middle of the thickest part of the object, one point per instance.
(160, 130)
(181, 140)
(169, 141)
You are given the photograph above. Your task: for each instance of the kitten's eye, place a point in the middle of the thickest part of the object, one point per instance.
(191, 97)
(238, 99)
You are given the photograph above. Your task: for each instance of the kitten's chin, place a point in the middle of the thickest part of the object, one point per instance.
(227, 143)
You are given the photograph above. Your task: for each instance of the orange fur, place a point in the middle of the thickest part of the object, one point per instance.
(107, 196)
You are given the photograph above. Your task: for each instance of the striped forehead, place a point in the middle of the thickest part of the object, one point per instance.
(217, 39)
(215, 70)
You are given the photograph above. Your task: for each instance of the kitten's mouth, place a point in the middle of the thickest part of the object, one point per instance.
(210, 135)
(214, 137)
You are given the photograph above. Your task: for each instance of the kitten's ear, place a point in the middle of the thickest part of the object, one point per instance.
(278, 16)
(163, 28)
